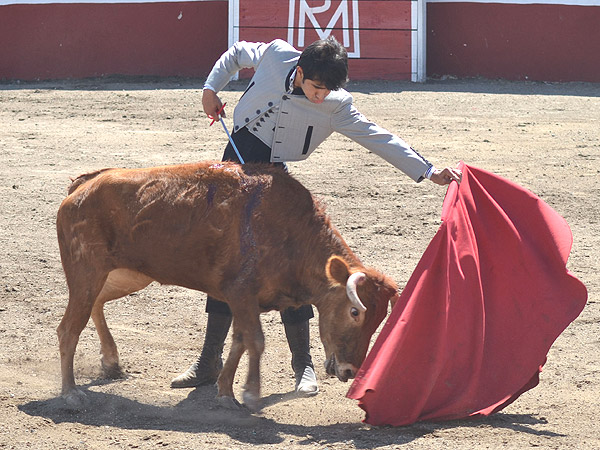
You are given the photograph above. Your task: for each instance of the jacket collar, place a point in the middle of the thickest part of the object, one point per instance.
(289, 82)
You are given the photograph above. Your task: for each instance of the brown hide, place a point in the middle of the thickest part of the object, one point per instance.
(251, 236)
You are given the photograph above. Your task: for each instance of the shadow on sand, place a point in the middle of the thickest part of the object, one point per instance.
(201, 413)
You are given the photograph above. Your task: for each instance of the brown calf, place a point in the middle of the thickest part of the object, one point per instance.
(251, 236)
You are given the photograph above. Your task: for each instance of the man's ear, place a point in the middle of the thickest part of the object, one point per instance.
(299, 74)
(337, 270)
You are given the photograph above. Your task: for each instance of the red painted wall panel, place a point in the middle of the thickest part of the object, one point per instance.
(515, 42)
(379, 69)
(383, 27)
(374, 14)
(53, 41)
(397, 42)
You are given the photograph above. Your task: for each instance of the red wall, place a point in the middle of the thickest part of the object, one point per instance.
(515, 42)
(511, 41)
(51, 41)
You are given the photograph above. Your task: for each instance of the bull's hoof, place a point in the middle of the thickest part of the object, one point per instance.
(252, 401)
(229, 403)
(76, 399)
(112, 371)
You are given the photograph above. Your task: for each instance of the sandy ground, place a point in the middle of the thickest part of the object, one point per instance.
(545, 137)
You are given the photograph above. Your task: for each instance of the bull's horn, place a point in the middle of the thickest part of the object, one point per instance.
(353, 281)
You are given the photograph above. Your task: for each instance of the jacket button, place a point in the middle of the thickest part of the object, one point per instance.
(270, 104)
(237, 127)
(246, 120)
(258, 111)
(285, 97)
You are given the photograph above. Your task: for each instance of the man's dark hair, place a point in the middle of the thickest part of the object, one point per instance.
(325, 61)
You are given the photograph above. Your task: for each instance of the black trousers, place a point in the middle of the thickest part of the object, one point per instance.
(253, 149)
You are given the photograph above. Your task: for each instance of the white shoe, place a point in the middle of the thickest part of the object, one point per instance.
(306, 383)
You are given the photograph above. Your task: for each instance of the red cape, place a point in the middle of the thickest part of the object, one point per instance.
(475, 321)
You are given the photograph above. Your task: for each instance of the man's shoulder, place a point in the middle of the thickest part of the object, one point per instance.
(276, 60)
(282, 49)
(282, 45)
(275, 46)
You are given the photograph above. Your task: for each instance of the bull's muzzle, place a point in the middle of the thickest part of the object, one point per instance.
(343, 371)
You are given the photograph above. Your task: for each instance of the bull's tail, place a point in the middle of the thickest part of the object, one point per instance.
(78, 181)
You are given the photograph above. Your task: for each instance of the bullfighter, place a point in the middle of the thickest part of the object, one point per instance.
(294, 101)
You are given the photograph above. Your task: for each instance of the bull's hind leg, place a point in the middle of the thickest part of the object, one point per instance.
(120, 282)
(88, 292)
(83, 290)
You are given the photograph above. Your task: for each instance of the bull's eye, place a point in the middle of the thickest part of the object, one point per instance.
(354, 312)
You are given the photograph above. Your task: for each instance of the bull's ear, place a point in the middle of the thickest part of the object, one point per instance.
(337, 270)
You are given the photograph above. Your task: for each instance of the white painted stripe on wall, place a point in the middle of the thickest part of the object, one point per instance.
(418, 41)
(233, 33)
(414, 40)
(41, 2)
(527, 2)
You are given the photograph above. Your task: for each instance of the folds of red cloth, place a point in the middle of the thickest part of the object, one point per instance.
(473, 326)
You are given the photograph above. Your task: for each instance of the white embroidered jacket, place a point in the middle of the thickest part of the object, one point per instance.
(302, 125)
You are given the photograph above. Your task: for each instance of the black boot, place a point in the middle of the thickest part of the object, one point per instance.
(298, 337)
(206, 369)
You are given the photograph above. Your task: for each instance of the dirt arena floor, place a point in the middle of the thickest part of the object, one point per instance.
(545, 137)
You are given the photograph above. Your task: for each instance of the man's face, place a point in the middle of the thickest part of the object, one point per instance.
(314, 91)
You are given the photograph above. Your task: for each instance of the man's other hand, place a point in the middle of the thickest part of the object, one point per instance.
(212, 104)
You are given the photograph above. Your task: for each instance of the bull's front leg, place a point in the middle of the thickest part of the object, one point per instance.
(247, 335)
(254, 341)
(225, 395)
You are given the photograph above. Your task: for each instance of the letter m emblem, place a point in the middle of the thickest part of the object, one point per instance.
(308, 23)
